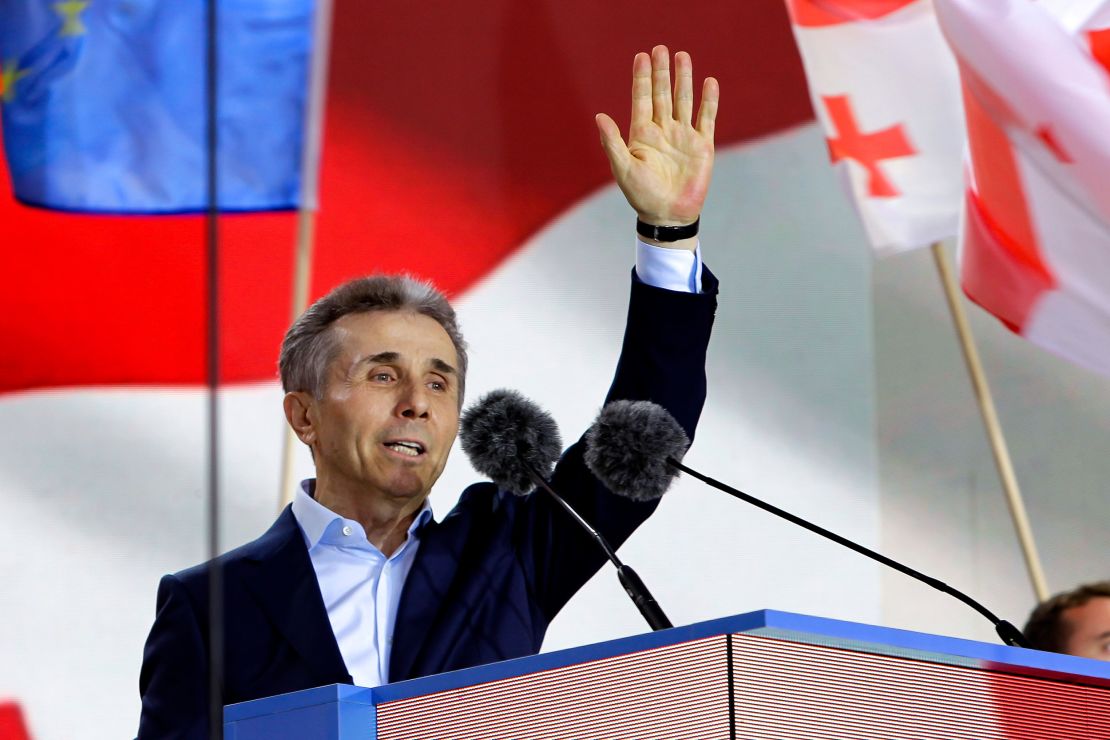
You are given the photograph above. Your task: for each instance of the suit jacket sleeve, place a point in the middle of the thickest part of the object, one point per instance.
(174, 673)
(662, 360)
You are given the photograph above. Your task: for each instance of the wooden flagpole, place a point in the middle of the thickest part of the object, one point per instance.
(990, 420)
(306, 212)
(302, 269)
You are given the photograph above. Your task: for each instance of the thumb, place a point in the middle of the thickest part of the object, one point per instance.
(612, 142)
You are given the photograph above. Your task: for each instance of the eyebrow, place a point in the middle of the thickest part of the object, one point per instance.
(391, 357)
(443, 367)
(386, 357)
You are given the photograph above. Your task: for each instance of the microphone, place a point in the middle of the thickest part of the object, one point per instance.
(510, 439)
(629, 446)
(515, 443)
(631, 467)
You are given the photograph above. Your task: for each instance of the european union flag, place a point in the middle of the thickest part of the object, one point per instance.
(104, 102)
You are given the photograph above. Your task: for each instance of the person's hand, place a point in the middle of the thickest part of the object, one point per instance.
(665, 168)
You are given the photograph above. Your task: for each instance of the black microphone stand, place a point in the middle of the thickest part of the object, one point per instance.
(633, 584)
(1010, 634)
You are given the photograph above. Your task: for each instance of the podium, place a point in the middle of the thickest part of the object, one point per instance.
(765, 674)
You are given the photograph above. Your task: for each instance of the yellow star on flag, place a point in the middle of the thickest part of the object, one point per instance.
(71, 11)
(10, 74)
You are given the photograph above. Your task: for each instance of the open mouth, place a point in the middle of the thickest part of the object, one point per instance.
(406, 447)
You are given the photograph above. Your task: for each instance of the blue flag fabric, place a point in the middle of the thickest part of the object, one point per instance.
(103, 103)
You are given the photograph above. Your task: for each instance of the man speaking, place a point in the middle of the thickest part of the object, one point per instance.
(356, 582)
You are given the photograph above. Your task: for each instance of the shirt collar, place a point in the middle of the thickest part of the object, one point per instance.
(315, 519)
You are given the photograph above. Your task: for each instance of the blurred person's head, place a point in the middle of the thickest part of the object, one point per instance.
(1075, 622)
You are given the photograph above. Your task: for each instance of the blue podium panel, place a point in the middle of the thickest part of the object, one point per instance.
(761, 675)
(335, 712)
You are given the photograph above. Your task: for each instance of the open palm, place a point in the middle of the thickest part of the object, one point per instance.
(665, 168)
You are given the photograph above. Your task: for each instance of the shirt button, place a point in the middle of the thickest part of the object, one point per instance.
(346, 531)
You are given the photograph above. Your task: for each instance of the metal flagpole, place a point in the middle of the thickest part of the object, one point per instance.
(990, 420)
(212, 222)
(306, 212)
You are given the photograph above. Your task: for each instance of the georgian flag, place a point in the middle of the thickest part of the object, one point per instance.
(884, 87)
(1036, 233)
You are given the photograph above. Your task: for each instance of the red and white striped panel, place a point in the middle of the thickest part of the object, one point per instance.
(791, 690)
(679, 691)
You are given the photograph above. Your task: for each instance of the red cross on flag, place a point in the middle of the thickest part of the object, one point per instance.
(884, 87)
(1087, 19)
(1035, 242)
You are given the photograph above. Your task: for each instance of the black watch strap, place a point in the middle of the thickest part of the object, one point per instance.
(667, 233)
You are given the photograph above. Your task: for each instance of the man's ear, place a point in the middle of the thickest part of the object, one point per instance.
(300, 413)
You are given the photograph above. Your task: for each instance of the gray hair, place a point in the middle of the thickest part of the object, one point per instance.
(310, 345)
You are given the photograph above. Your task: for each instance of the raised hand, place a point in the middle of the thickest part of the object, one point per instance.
(665, 168)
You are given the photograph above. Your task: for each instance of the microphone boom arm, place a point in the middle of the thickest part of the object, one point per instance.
(1010, 634)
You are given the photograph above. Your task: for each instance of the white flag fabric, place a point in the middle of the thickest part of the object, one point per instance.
(1035, 242)
(885, 88)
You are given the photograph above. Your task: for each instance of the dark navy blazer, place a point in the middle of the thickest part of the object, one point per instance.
(486, 582)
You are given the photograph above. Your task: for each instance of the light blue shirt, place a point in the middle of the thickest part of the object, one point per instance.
(674, 269)
(360, 585)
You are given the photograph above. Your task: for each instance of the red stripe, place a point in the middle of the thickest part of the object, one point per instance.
(820, 13)
(451, 137)
(12, 726)
(1002, 269)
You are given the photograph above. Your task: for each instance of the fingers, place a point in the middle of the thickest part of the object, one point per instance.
(612, 143)
(641, 90)
(651, 91)
(683, 87)
(707, 113)
(661, 85)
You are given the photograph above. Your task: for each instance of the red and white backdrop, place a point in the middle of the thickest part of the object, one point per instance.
(460, 146)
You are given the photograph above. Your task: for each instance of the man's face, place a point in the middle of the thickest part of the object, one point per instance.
(390, 407)
(1088, 629)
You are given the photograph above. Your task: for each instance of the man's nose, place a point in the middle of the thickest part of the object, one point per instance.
(413, 401)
